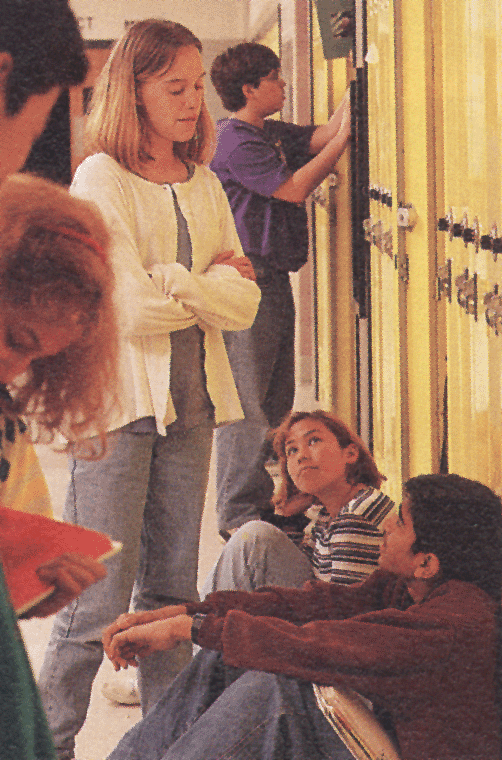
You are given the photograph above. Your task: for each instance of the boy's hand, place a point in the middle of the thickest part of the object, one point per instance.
(142, 640)
(131, 619)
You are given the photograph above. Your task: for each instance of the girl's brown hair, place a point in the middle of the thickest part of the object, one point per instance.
(363, 470)
(116, 124)
(53, 258)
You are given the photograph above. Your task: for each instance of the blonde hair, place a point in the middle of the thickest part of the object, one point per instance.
(53, 258)
(116, 124)
(363, 470)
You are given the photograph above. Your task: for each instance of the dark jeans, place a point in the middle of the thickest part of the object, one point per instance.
(214, 712)
(262, 362)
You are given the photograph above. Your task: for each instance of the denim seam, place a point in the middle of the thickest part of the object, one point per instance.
(229, 753)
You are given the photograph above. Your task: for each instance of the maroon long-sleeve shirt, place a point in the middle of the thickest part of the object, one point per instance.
(431, 665)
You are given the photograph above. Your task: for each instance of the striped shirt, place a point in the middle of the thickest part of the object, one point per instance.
(345, 549)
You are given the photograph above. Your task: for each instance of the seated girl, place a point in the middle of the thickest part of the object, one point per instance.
(326, 468)
(327, 472)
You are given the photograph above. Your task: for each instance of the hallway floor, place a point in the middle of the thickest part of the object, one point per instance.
(106, 722)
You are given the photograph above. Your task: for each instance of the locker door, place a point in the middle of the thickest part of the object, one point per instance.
(335, 307)
(324, 283)
(381, 230)
(470, 272)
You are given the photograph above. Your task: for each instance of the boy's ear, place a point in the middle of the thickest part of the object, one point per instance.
(428, 566)
(247, 91)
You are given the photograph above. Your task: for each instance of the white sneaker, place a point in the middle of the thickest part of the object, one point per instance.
(122, 691)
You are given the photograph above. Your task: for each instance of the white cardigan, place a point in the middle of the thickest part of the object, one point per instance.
(142, 221)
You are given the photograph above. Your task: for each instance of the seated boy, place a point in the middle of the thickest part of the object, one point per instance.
(418, 639)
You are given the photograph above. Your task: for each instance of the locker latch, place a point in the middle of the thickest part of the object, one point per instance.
(444, 280)
(319, 195)
(407, 216)
(374, 233)
(492, 242)
(445, 224)
(493, 314)
(467, 295)
(471, 234)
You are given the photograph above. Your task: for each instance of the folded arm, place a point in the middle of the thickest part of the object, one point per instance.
(220, 296)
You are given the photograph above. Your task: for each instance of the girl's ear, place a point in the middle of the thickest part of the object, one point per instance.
(352, 453)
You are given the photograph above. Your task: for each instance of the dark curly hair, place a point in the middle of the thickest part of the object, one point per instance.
(460, 521)
(246, 63)
(47, 50)
(363, 470)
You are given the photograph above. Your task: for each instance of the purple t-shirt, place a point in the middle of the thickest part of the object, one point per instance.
(251, 163)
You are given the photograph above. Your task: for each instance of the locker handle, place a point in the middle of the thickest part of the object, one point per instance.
(486, 242)
(467, 295)
(444, 280)
(496, 247)
(471, 234)
(445, 224)
(493, 313)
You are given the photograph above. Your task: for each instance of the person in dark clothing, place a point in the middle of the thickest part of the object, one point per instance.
(267, 169)
(418, 639)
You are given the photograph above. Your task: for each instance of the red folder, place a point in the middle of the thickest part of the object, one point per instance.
(28, 541)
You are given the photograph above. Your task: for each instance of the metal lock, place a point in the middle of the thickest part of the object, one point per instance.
(320, 197)
(367, 226)
(407, 216)
(333, 179)
(493, 313)
(373, 232)
(444, 280)
(386, 242)
(467, 295)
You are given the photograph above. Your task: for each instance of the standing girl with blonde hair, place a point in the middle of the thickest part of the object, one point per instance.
(180, 279)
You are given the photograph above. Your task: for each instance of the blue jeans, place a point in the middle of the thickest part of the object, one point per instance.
(262, 362)
(215, 712)
(148, 492)
(258, 554)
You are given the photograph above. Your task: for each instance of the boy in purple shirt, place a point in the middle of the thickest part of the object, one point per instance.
(267, 168)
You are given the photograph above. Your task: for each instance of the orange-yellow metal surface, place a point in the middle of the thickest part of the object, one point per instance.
(385, 296)
(472, 191)
(335, 312)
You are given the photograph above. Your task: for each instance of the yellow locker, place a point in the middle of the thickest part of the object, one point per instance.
(405, 357)
(335, 310)
(470, 230)
(381, 230)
